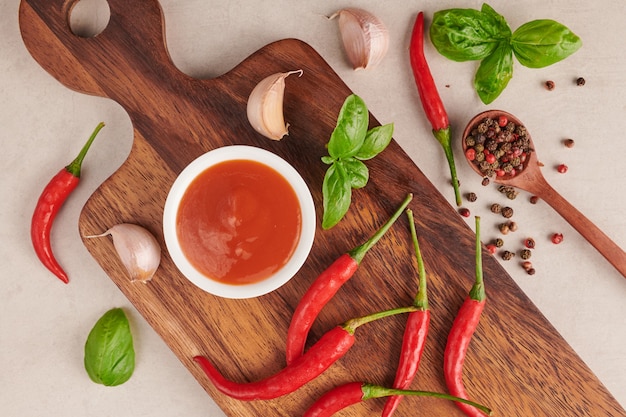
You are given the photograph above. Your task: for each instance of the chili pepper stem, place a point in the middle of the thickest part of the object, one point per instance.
(443, 137)
(351, 325)
(375, 391)
(75, 166)
(478, 289)
(358, 253)
(421, 299)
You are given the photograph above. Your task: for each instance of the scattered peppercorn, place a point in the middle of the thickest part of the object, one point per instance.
(534, 199)
(550, 85)
(527, 265)
(498, 242)
(507, 212)
(464, 212)
(485, 181)
(512, 226)
(496, 208)
(562, 168)
(504, 228)
(529, 243)
(557, 238)
(580, 81)
(530, 271)
(507, 255)
(509, 191)
(569, 143)
(525, 254)
(492, 248)
(471, 197)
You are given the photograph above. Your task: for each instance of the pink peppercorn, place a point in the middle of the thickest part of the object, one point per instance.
(562, 168)
(557, 238)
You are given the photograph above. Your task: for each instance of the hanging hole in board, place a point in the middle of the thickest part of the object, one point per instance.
(89, 18)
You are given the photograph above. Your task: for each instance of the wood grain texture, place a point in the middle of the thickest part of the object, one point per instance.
(517, 363)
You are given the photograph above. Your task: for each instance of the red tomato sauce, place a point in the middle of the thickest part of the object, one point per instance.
(239, 222)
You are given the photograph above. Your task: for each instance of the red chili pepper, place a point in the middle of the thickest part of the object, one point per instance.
(325, 352)
(461, 333)
(431, 101)
(48, 205)
(326, 286)
(415, 332)
(352, 393)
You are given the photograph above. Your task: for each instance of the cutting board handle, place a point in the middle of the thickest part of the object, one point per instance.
(108, 64)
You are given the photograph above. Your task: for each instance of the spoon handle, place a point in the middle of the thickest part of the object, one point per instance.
(607, 248)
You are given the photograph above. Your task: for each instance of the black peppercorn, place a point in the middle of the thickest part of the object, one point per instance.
(471, 197)
(525, 254)
(550, 85)
(498, 242)
(507, 212)
(496, 208)
(580, 81)
(507, 256)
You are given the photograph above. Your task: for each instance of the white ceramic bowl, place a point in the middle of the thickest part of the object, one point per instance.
(307, 233)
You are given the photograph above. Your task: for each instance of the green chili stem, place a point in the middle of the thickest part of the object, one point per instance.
(351, 325)
(75, 166)
(421, 299)
(375, 391)
(443, 137)
(478, 289)
(359, 252)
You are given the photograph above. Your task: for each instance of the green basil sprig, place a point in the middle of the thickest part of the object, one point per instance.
(109, 352)
(469, 34)
(350, 144)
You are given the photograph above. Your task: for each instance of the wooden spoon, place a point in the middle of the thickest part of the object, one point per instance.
(531, 179)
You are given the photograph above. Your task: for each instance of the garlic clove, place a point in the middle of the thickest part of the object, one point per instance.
(265, 106)
(137, 248)
(365, 37)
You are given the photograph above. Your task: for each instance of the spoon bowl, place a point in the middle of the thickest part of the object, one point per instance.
(527, 176)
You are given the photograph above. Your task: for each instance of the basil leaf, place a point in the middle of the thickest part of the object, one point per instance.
(375, 141)
(540, 43)
(357, 172)
(337, 194)
(349, 134)
(503, 31)
(109, 353)
(494, 73)
(328, 160)
(467, 34)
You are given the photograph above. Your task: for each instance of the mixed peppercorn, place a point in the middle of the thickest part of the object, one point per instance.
(498, 147)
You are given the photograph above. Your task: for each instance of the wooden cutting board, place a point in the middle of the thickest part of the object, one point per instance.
(517, 364)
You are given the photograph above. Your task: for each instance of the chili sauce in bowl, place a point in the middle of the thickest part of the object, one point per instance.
(239, 222)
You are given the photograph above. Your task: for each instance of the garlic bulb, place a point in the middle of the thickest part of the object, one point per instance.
(365, 37)
(265, 106)
(137, 248)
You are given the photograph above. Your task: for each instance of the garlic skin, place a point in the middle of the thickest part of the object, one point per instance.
(365, 37)
(265, 106)
(137, 248)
